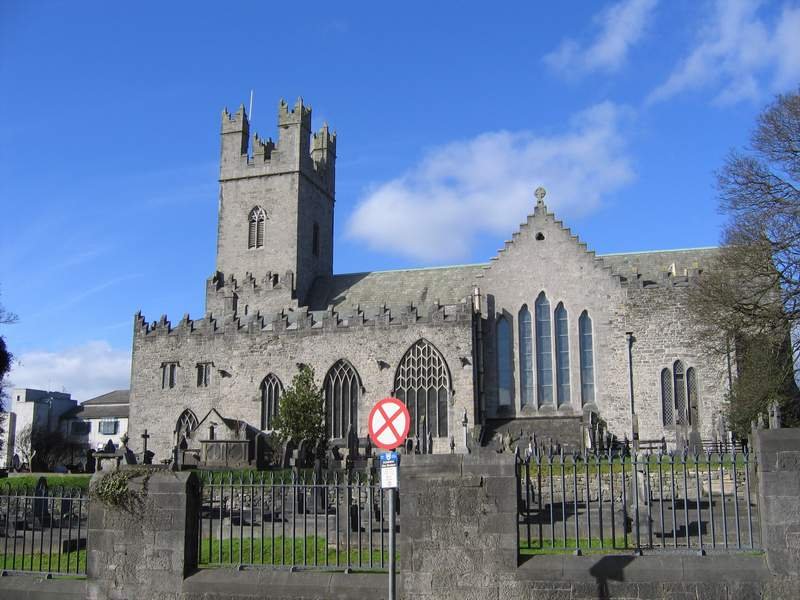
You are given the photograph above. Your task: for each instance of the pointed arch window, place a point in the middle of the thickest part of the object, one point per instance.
(680, 393)
(422, 381)
(544, 351)
(666, 397)
(586, 348)
(186, 423)
(255, 232)
(504, 362)
(271, 391)
(342, 393)
(525, 356)
(691, 395)
(562, 355)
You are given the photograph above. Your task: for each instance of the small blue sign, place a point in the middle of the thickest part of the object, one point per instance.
(388, 457)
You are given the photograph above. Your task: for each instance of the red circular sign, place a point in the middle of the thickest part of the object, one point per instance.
(388, 423)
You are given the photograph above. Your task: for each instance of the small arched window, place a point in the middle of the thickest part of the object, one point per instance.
(504, 359)
(342, 393)
(186, 423)
(562, 355)
(271, 390)
(525, 356)
(255, 233)
(666, 397)
(544, 352)
(680, 393)
(586, 348)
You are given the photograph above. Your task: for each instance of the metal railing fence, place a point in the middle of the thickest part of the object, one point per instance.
(654, 501)
(337, 521)
(43, 531)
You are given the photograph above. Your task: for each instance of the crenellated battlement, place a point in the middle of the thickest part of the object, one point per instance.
(292, 320)
(297, 149)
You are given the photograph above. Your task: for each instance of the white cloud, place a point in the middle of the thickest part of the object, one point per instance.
(739, 54)
(84, 371)
(621, 26)
(485, 185)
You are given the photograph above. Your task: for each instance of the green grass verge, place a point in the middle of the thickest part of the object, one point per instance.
(279, 553)
(70, 562)
(561, 547)
(18, 482)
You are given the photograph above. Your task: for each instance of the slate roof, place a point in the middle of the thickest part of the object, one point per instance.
(113, 405)
(448, 285)
(451, 285)
(651, 264)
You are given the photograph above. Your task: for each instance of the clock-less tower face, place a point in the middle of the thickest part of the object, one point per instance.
(276, 206)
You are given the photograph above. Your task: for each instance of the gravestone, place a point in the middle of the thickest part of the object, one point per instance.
(40, 512)
(90, 461)
(352, 443)
(288, 450)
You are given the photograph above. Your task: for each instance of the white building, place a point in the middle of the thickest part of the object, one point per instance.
(98, 420)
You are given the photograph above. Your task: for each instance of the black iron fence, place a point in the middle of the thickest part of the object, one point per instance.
(43, 530)
(654, 501)
(337, 521)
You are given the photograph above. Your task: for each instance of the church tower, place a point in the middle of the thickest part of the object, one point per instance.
(275, 232)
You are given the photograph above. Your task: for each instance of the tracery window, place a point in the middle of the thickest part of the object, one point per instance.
(504, 362)
(525, 356)
(187, 422)
(255, 233)
(544, 351)
(691, 395)
(422, 381)
(342, 393)
(271, 390)
(562, 355)
(586, 348)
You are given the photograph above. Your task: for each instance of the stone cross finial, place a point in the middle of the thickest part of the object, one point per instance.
(540, 193)
(145, 436)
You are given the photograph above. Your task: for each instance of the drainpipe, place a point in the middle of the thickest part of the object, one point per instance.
(634, 424)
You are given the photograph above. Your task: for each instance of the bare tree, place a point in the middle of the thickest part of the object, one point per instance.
(24, 445)
(748, 302)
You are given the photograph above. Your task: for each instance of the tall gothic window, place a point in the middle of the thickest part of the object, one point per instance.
(667, 400)
(504, 360)
(680, 393)
(187, 422)
(422, 381)
(525, 356)
(342, 392)
(544, 351)
(691, 394)
(562, 355)
(587, 357)
(271, 390)
(255, 233)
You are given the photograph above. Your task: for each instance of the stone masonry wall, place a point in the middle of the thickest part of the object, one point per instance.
(458, 535)
(243, 357)
(146, 552)
(778, 452)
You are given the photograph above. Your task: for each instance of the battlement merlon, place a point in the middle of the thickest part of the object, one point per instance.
(296, 149)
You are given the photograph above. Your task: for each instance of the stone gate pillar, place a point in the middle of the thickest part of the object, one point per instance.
(145, 550)
(458, 533)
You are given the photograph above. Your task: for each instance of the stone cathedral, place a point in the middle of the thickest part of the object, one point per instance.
(546, 338)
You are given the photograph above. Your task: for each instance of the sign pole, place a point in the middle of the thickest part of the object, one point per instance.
(392, 551)
(388, 425)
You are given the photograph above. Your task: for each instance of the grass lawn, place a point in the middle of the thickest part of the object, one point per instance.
(18, 482)
(71, 562)
(280, 553)
(561, 547)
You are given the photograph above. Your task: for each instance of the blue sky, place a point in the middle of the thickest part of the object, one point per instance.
(448, 116)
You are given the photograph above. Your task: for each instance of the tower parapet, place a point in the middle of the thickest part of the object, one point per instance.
(297, 148)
